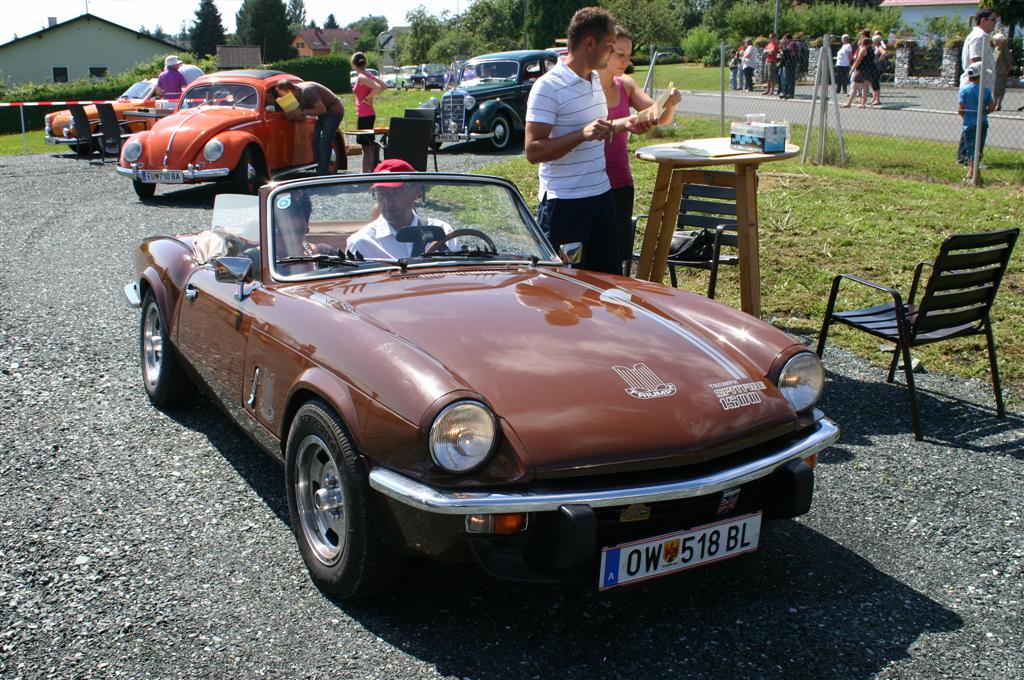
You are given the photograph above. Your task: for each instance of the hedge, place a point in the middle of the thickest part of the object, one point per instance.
(330, 70)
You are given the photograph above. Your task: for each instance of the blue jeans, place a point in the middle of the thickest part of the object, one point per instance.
(324, 132)
(734, 78)
(965, 150)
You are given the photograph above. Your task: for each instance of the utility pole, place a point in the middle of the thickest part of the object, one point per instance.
(526, 36)
(778, 8)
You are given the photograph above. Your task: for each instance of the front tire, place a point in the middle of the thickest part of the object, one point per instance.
(502, 132)
(143, 190)
(162, 375)
(248, 175)
(329, 504)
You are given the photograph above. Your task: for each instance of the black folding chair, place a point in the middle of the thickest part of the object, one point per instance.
(84, 136)
(704, 208)
(956, 302)
(113, 132)
(410, 140)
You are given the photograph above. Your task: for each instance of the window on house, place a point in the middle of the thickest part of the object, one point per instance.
(60, 74)
(97, 71)
(300, 44)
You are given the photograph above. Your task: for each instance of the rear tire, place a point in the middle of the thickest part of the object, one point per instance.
(330, 509)
(162, 375)
(143, 190)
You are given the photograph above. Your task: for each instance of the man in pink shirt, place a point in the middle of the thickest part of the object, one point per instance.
(170, 83)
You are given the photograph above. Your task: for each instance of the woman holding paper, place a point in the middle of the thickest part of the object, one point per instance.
(621, 93)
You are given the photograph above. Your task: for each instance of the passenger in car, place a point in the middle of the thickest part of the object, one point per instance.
(395, 201)
(291, 227)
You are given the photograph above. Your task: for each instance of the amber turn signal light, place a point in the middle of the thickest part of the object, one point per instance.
(513, 523)
(812, 461)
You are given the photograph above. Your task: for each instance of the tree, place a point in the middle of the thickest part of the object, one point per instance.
(263, 23)
(655, 22)
(546, 20)
(331, 22)
(424, 31)
(492, 25)
(296, 13)
(369, 28)
(159, 33)
(1011, 13)
(207, 29)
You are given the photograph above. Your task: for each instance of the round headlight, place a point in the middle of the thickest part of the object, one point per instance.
(132, 150)
(462, 436)
(213, 150)
(469, 101)
(801, 380)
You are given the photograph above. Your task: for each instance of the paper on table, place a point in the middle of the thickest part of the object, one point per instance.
(654, 111)
(710, 148)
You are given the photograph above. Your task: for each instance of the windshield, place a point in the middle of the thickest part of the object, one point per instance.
(221, 94)
(434, 68)
(347, 227)
(489, 72)
(408, 70)
(139, 90)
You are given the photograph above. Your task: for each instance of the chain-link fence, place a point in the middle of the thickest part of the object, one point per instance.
(917, 94)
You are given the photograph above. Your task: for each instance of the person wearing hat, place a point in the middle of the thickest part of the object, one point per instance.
(378, 240)
(968, 110)
(1002, 68)
(170, 82)
(314, 100)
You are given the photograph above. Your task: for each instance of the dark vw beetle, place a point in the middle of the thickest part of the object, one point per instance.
(489, 100)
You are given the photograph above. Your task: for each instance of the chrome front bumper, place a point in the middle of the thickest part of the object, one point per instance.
(481, 502)
(50, 139)
(190, 174)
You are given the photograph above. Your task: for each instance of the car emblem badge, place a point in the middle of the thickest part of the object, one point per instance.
(643, 384)
(734, 394)
(638, 512)
(729, 499)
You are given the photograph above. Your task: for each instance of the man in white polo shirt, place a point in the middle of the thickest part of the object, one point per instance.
(976, 45)
(566, 128)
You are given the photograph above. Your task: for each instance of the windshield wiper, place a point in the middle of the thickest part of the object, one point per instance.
(485, 254)
(337, 260)
(248, 96)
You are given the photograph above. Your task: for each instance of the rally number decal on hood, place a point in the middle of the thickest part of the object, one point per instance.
(643, 384)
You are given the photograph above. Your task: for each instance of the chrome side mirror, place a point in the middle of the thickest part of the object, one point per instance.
(234, 270)
(570, 253)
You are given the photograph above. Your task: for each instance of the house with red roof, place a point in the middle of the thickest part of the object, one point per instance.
(316, 42)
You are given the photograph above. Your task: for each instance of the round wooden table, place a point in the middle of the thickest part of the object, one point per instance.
(676, 166)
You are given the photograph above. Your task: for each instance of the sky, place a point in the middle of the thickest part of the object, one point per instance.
(22, 18)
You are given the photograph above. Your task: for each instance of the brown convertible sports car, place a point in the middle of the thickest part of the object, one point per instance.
(438, 381)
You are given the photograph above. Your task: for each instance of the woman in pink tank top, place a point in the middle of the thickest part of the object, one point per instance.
(365, 89)
(622, 92)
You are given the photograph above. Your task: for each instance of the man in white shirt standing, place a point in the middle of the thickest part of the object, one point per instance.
(976, 45)
(749, 65)
(566, 128)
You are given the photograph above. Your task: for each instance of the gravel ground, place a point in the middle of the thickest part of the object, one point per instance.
(145, 544)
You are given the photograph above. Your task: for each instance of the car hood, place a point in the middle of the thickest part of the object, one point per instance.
(185, 133)
(483, 90)
(590, 370)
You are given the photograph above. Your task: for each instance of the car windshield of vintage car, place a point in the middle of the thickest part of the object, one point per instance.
(489, 72)
(139, 90)
(434, 69)
(221, 94)
(346, 227)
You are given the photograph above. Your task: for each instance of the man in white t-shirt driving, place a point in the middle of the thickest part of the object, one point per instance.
(378, 240)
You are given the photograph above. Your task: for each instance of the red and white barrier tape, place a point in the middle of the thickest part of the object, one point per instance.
(67, 103)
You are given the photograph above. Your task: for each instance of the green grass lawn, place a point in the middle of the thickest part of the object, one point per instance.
(684, 76)
(887, 210)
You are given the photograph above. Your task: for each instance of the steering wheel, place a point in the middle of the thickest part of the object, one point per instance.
(456, 233)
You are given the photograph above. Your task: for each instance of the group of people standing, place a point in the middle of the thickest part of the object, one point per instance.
(577, 125)
(781, 59)
(863, 68)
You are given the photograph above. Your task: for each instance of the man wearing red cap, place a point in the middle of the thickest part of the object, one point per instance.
(378, 239)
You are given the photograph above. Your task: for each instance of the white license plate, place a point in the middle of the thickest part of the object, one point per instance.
(162, 176)
(448, 137)
(654, 557)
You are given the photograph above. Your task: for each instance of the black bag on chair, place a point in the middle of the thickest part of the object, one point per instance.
(692, 245)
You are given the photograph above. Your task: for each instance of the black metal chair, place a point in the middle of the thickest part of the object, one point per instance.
(113, 132)
(955, 303)
(84, 136)
(411, 139)
(704, 208)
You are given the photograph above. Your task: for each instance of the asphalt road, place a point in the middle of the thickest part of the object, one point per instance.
(136, 543)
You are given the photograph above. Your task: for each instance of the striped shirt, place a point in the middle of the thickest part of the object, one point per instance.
(568, 103)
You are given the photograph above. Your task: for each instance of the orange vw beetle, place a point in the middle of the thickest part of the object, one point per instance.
(225, 128)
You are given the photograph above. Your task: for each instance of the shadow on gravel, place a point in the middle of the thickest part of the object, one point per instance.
(866, 408)
(803, 607)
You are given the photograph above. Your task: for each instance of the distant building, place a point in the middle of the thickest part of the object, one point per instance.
(83, 47)
(238, 56)
(316, 42)
(916, 12)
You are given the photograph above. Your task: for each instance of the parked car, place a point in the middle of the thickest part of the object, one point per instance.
(489, 99)
(60, 129)
(480, 400)
(388, 74)
(429, 76)
(403, 79)
(224, 129)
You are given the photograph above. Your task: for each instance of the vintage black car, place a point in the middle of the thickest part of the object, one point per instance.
(428, 76)
(489, 99)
